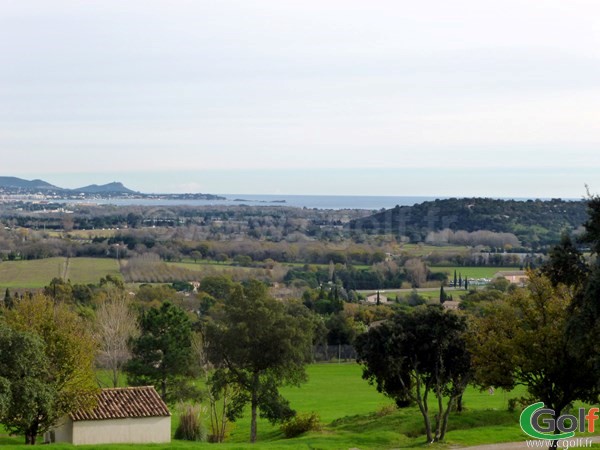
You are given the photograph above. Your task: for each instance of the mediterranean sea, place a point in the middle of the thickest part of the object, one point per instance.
(298, 201)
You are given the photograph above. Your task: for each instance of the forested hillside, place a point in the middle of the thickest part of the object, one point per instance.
(535, 223)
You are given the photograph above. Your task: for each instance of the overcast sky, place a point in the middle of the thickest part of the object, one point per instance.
(428, 97)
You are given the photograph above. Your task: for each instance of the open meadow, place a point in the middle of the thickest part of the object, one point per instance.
(355, 415)
(470, 272)
(37, 273)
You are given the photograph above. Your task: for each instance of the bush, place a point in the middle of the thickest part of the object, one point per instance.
(300, 424)
(190, 426)
(386, 410)
(519, 403)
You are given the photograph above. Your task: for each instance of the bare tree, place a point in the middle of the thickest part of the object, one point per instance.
(116, 324)
(416, 271)
(218, 392)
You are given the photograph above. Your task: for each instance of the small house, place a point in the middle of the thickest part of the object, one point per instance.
(451, 304)
(133, 415)
(516, 276)
(373, 298)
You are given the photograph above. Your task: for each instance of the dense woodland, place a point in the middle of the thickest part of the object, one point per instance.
(536, 224)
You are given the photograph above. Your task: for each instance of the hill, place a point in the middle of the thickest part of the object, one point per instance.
(19, 183)
(536, 223)
(109, 188)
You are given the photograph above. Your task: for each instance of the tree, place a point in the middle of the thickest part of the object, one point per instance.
(70, 352)
(417, 354)
(526, 340)
(592, 225)
(218, 287)
(162, 354)
(26, 393)
(455, 279)
(566, 264)
(340, 329)
(116, 325)
(257, 347)
(8, 300)
(416, 271)
(442, 295)
(196, 255)
(59, 290)
(154, 295)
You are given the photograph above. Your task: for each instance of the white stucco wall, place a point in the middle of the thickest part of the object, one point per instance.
(63, 431)
(138, 430)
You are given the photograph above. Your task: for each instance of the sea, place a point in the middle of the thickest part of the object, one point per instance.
(373, 203)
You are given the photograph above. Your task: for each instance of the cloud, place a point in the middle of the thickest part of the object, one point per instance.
(238, 85)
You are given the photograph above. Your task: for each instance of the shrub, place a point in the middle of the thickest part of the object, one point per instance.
(190, 426)
(300, 424)
(519, 403)
(386, 410)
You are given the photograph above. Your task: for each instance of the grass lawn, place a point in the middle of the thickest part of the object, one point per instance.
(39, 272)
(355, 415)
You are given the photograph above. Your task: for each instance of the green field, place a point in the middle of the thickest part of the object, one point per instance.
(354, 415)
(39, 272)
(471, 272)
(418, 250)
(203, 266)
(84, 234)
(90, 270)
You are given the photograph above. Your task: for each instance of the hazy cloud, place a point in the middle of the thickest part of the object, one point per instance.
(212, 85)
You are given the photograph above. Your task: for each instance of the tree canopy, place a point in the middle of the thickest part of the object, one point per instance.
(162, 354)
(26, 393)
(416, 354)
(67, 381)
(257, 346)
(525, 340)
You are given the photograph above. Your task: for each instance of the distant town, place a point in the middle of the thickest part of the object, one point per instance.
(17, 189)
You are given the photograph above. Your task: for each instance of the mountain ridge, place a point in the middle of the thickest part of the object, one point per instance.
(40, 185)
(115, 189)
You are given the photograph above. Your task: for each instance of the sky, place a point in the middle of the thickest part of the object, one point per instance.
(388, 97)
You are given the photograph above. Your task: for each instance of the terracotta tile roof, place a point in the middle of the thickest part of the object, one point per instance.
(124, 403)
(510, 273)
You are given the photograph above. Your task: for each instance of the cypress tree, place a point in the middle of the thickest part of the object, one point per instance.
(8, 301)
(442, 295)
(455, 279)
(460, 280)
(466, 284)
